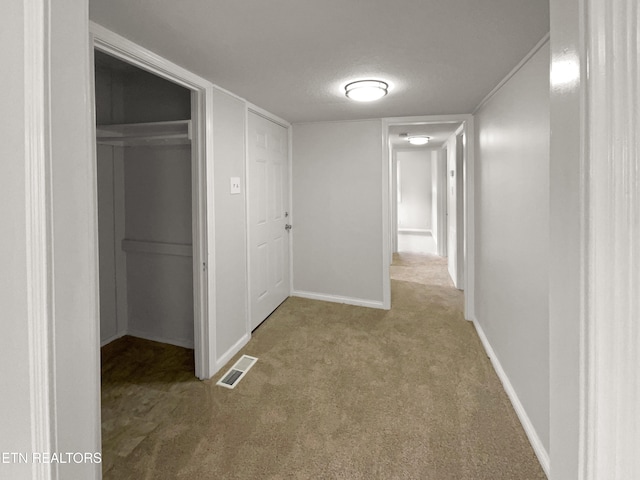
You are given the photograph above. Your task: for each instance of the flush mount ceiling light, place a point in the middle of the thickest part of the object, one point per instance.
(418, 139)
(366, 90)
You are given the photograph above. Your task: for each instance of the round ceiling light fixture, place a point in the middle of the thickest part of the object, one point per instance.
(366, 90)
(418, 139)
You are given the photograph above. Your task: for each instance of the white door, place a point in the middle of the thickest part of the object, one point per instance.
(455, 211)
(460, 211)
(451, 214)
(268, 197)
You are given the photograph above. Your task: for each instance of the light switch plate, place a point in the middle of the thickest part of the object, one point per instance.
(235, 185)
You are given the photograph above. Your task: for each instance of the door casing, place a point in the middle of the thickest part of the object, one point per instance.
(467, 206)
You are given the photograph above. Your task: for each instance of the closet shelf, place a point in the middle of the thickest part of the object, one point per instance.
(145, 134)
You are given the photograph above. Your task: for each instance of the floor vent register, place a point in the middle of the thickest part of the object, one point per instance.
(235, 373)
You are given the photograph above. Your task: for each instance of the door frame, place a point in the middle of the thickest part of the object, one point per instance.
(203, 221)
(251, 108)
(457, 271)
(468, 211)
(443, 205)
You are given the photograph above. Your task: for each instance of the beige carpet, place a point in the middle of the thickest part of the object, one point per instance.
(338, 392)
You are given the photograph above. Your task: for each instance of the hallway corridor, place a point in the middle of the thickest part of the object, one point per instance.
(338, 392)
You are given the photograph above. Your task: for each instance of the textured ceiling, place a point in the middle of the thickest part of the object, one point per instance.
(293, 57)
(438, 134)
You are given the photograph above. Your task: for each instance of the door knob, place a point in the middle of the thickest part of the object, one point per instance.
(287, 227)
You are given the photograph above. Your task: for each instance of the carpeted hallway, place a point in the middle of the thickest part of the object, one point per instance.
(338, 392)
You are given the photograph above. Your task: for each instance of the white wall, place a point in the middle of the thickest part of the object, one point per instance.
(337, 200)
(415, 209)
(158, 193)
(74, 231)
(512, 234)
(158, 210)
(110, 170)
(74, 333)
(230, 242)
(15, 421)
(108, 245)
(566, 235)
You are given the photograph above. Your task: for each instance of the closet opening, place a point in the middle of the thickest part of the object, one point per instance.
(143, 137)
(151, 246)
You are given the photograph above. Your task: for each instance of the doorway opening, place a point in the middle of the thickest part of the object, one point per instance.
(145, 219)
(419, 195)
(429, 193)
(413, 209)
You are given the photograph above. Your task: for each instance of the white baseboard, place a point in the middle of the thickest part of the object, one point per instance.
(156, 248)
(112, 338)
(534, 439)
(228, 355)
(157, 338)
(220, 362)
(338, 299)
(415, 230)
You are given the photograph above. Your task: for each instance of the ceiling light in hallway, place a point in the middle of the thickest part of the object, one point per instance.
(366, 90)
(418, 139)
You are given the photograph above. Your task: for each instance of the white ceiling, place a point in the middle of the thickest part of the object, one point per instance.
(438, 133)
(293, 57)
